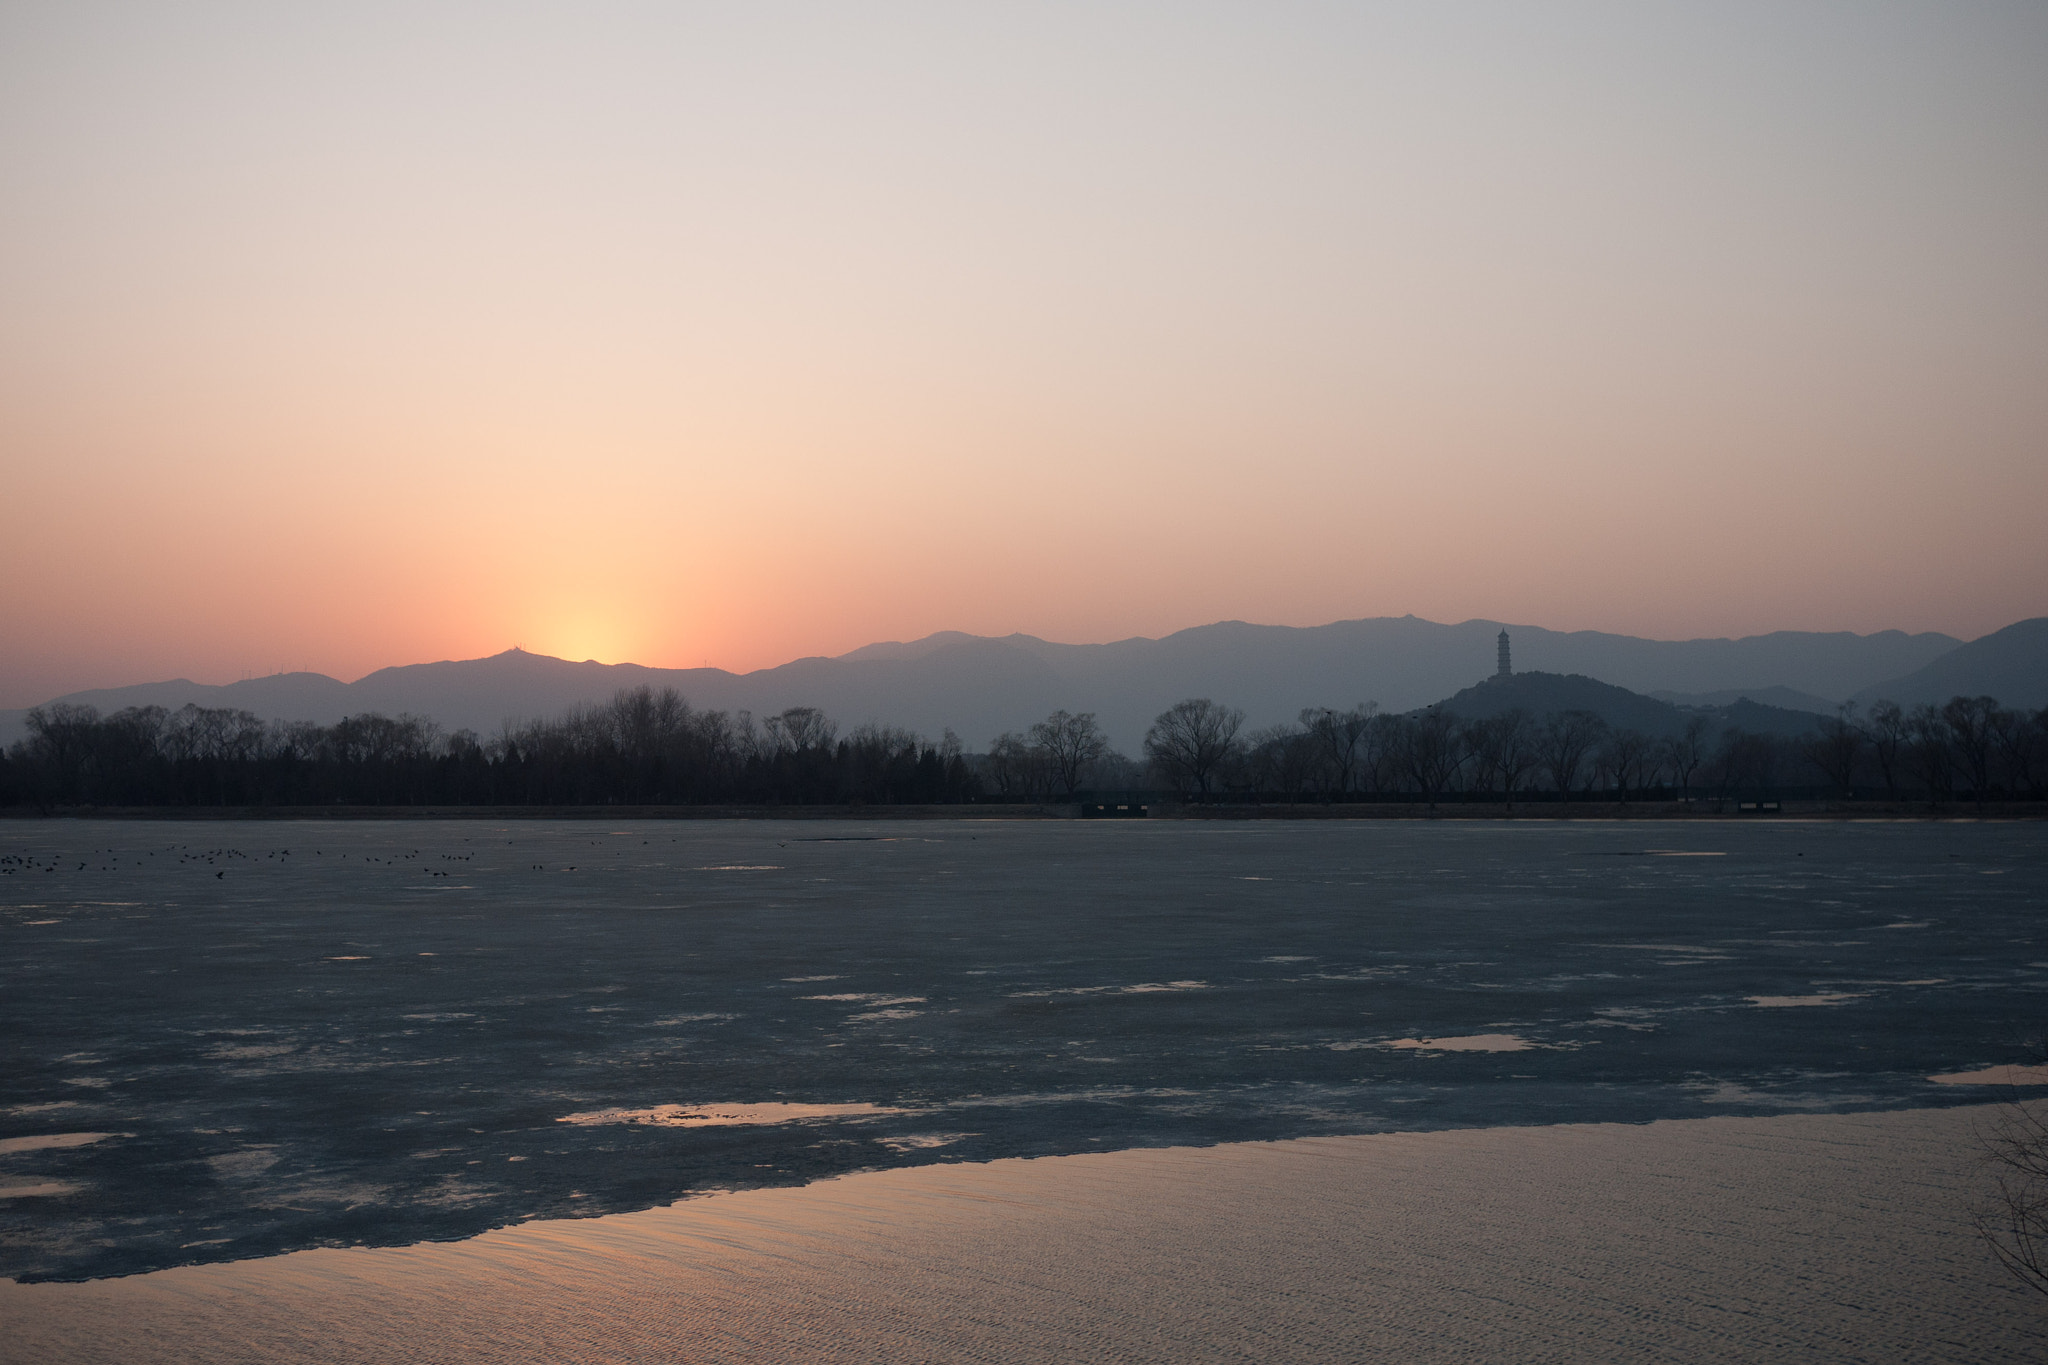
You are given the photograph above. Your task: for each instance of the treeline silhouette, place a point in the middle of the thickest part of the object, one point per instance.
(1971, 748)
(641, 748)
(651, 748)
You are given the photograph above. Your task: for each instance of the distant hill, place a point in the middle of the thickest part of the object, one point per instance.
(1543, 693)
(2009, 664)
(1784, 698)
(980, 686)
(1759, 719)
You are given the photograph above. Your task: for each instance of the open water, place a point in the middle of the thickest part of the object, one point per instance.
(230, 1040)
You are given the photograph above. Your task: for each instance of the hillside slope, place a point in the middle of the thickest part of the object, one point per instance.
(1541, 694)
(2009, 664)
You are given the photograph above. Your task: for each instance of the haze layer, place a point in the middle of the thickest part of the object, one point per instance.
(726, 336)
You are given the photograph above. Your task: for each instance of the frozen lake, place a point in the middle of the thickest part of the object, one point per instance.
(228, 1040)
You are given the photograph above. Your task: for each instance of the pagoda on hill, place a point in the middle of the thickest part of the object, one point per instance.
(1506, 670)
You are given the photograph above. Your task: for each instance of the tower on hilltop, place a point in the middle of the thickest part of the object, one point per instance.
(1506, 670)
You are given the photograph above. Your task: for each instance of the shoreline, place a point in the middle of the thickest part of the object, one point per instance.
(1803, 1236)
(1556, 812)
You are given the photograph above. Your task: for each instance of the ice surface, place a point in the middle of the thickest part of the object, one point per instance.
(1474, 1042)
(328, 1046)
(1832, 1237)
(44, 1142)
(726, 1115)
(1996, 1075)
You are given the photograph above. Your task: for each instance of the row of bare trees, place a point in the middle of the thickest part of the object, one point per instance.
(649, 747)
(1056, 757)
(1196, 747)
(641, 747)
(1200, 748)
(148, 755)
(1971, 745)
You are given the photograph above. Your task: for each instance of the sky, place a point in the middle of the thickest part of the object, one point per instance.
(344, 336)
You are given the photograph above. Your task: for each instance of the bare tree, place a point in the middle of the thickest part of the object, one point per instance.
(1514, 750)
(1114, 771)
(1012, 766)
(1479, 741)
(800, 729)
(299, 740)
(2016, 1225)
(1285, 758)
(211, 734)
(1836, 748)
(1431, 752)
(1928, 750)
(60, 744)
(215, 737)
(1686, 751)
(2022, 740)
(1745, 760)
(871, 755)
(1623, 756)
(1379, 753)
(1341, 735)
(1972, 738)
(1656, 757)
(1568, 736)
(724, 744)
(1890, 738)
(748, 739)
(1725, 768)
(1191, 740)
(645, 724)
(1069, 743)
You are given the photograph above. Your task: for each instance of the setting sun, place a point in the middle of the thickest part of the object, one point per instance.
(606, 636)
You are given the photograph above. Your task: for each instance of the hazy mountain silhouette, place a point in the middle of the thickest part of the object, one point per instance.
(2009, 664)
(1542, 693)
(980, 686)
(1783, 698)
(1760, 719)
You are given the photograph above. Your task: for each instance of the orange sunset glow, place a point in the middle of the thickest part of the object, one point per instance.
(350, 338)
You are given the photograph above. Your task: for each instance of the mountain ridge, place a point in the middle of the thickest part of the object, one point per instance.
(980, 686)
(2010, 664)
